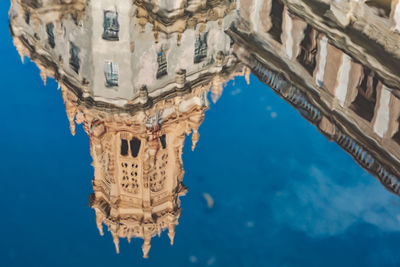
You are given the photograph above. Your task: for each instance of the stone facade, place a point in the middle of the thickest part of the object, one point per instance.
(350, 99)
(107, 51)
(137, 162)
(138, 169)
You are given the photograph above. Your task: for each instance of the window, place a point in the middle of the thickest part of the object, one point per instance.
(124, 147)
(162, 64)
(50, 34)
(308, 49)
(276, 20)
(364, 104)
(111, 26)
(135, 147)
(74, 60)
(163, 141)
(111, 73)
(27, 17)
(200, 48)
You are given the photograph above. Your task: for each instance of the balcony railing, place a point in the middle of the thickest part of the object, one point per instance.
(286, 90)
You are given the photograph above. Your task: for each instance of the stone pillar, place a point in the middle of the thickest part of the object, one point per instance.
(382, 117)
(180, 78)
(343, 80)
(287, 33)
(322, 57)
(292, 33)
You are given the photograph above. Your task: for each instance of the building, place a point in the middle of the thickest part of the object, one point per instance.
(106, 51)
(126, 77)
(137, 162)
(138, 169)
(346, 87)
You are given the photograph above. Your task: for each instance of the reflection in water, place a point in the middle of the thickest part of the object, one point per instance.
(138, 91)
(137, 76)
(338, 82)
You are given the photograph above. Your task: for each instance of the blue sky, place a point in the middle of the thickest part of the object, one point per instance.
(284, 195)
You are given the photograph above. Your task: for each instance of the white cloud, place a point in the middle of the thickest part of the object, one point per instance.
(319, 206)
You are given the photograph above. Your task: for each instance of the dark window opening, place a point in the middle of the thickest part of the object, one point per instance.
(308, 49)
(162, 64)
(135, 147)
(74, 60)
(200, 48)
(364, 104)
(276, 20)
(163, 141)
(111, 26)
(124, 147)
(27, 17)
(50, 34)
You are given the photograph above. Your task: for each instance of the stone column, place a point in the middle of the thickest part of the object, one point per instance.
(180, 78)
(321, 60)
(383, 113)
(343, 80)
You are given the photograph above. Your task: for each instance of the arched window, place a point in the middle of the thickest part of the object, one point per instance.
(163, 141)
(364, 104)
(124, 147)
(276, 20)
(135, 146)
